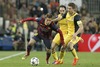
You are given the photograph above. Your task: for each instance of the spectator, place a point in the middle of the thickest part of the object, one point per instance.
(32, 10)
(54, 5)
(12, 10)
(44, 6)
(83, 10)
(39, 12)
(18, 42)
(1, 8)
(93, 27)
(24, 12)
(49, 8)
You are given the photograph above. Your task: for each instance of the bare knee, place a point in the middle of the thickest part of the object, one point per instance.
(63, 49)
(53, 47)
(32, 42)
(70, 45)
(48, 50)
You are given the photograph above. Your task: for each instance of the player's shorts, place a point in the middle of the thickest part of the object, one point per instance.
(67, 39)
(57, 38)
(74, 41)
(47, 42)
(70, 39)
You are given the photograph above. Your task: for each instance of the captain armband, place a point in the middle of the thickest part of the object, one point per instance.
(79, 22)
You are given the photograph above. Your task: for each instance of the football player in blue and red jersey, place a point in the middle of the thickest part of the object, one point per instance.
(45, 27)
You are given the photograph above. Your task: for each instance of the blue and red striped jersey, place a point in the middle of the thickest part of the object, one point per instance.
(45, 30)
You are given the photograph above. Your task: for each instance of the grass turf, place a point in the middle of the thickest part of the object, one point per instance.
(86, 59)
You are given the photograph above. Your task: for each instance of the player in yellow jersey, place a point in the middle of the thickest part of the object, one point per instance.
(75, 28)
(63, 27)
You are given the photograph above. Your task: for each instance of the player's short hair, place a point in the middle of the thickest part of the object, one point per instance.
(62, 6)
(72, 5)
(48, 15)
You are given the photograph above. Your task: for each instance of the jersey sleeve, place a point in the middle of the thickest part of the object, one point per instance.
(53, 26)
(31, 19)
(64, 16)
(77, 18)
(38, 19)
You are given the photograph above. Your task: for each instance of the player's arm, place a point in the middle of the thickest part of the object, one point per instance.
(57, 19)
(29, 19)
(55, 28)
(80, 30)
(80, 24)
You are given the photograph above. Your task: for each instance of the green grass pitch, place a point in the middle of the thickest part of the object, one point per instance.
(86, 59)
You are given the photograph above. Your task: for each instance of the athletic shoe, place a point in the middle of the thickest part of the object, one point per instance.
(24, 57)
(75, 61)
(58, 62)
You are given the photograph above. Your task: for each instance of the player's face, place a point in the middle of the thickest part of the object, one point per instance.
(62, 10)
(47, 21)
(70, 9)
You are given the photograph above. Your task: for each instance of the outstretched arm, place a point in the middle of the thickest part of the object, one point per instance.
(29, 19)
(57, 19)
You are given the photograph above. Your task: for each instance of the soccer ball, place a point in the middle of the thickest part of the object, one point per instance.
(34, 61)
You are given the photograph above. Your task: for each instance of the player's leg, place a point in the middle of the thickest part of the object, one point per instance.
(62, 54)
(62, 51)
(48, 54)
(67, 38)
(63, 48)
(55, 43)
(30, 44)
(73, 50)
(29, 47)
(54, 53)
(47, 43)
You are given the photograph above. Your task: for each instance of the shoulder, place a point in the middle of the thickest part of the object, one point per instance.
(77, 17)
(41, 19)
(64, 16)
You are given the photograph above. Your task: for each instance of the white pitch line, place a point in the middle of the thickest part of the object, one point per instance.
(11, 56)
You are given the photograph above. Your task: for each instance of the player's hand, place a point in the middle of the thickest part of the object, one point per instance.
(82, 40)
(74, 36)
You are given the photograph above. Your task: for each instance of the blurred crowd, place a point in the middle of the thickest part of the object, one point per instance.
(15, 10)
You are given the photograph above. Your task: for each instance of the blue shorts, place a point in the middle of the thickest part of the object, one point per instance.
(46, 41)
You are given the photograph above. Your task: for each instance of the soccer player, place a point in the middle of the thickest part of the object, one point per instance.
(45, 27)
(75, 28)
(63, 27)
